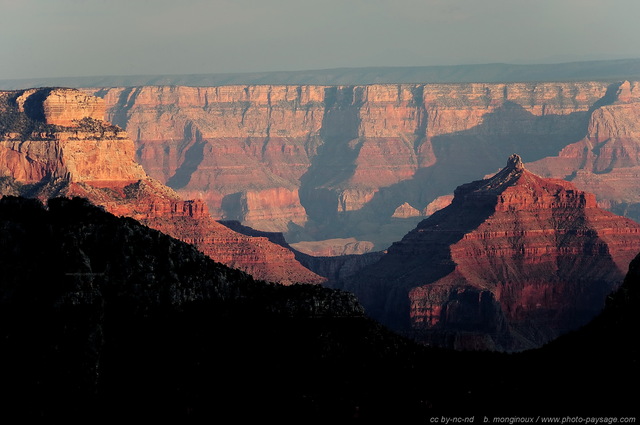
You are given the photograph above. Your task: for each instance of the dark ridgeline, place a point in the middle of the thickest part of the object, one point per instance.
(103, 318)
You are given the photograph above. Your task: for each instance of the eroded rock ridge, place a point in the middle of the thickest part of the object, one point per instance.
(513, 262)
(54, 142)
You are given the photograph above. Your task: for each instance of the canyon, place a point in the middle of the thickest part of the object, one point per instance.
(370, 161)
(512, 263)
(54, 142)
(349, 170)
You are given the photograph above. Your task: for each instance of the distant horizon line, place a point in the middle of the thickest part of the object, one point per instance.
(338, 68)
(576, 70)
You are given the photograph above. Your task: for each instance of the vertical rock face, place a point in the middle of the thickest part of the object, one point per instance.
(342, 155)
(63, 108)
(61, 138)
(513, 262)
(607, 160)
(70, 152)
(242, 149)
(59, 106)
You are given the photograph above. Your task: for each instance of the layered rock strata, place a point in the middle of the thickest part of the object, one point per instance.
(333, 157)
(81, 155)
(242, 149)
(607, 160)
(334, 268)
(513, 262)
(334, 247)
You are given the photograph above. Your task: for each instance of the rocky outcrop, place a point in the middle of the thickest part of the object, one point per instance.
(272, 208)
(333, 247)
(437, 204)
(98, 162)
(58, 106)
(331, 158)
(513, 262)
(79, 155)
(405, 211)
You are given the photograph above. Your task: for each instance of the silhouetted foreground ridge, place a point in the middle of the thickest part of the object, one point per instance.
(101, 317)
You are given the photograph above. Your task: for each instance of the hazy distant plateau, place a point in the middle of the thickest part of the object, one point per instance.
(605, 70)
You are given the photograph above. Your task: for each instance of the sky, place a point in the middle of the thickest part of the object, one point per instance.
(71, 38)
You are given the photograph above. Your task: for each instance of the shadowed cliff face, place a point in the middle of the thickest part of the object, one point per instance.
(513, 262)
(337, 161)
(334, 161)
(193, 157)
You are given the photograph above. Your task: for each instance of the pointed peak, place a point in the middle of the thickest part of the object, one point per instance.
(497, 183)
(515, 163)
(625, 92)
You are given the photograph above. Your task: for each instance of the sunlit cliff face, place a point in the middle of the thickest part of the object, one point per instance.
(333, 158)
(79, 154)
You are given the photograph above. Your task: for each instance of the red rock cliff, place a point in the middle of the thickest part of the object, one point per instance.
(513, 262)
(607, 160)
(242, 149)
(77, 154)
(270, 156)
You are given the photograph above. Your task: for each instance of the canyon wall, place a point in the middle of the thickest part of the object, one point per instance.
(241, 149)
(607, 160)
(321, 162)
(53, 144)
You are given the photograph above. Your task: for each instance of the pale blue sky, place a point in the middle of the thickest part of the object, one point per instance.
(59, 38)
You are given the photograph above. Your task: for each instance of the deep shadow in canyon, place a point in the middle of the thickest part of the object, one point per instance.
(334, 161)
(461, 157)
(102, 318)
